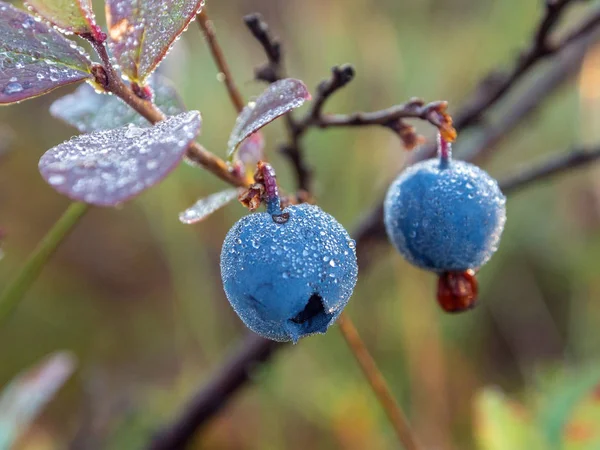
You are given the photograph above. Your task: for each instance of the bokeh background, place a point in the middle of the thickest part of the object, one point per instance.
(137, 296)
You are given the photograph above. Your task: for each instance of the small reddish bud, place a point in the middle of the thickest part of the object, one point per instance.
(457, 291)
(98, 34)
(143, 92)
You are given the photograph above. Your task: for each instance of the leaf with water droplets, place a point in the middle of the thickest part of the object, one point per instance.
(141, 33)
(35, 58)
(208, 205)
(106, 168)
(89, 111)
(71, 16)
(25, 396)
(278, 99)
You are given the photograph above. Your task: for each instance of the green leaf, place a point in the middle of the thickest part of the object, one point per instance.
(35, 58)
(502, 424)
(24, 397)
(141, 33)
(72, 16)
(582, 431)
(89, 111)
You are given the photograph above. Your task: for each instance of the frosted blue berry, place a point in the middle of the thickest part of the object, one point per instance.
(444, 215)
(288, 275)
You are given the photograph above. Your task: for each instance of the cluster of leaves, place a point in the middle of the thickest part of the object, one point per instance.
(564, 416)
(122, 155)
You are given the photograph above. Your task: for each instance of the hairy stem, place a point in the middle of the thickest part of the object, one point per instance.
(208, 30)
(378, 383)
(14, 292)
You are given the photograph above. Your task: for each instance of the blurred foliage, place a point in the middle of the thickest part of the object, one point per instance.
(137, 297)
(565, 415)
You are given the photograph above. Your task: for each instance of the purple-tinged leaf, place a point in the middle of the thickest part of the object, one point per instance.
(35, 58)
(208, 205)
(108, 167)
(141, 33)
(27, 394)
(251, 150)
(70, 16)
(278, 99)
(88, 111)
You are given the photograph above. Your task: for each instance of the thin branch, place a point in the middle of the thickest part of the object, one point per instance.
(273, 70)
(340, 77)
(567, 65)
(234, 373)
(555, 165)
(496, 85)
(208, 29)
(110, 80)
(378, 383)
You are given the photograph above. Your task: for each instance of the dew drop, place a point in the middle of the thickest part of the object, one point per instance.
(56, 179)
(13, 88)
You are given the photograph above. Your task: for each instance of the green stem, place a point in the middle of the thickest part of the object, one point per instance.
(13, 293)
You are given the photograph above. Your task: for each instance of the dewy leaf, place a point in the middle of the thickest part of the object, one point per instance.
(35, 58)
(279, 98)
(88, 111)
(106, 168)
(24, 397)
(206, 206)
(141, 33)
(72, 16)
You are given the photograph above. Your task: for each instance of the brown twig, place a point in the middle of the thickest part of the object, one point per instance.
(110, 80)
(378, 383)
(208, 29)
(550, 167)
(496, 85)
(234, 373)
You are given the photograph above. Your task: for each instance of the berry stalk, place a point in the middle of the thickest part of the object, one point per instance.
(444, 150)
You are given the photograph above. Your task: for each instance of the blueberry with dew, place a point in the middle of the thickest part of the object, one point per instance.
(288, 273)
(446, 216)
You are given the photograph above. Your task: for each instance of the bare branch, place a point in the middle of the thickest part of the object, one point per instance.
(496, 85)
(234, 374)
(550, 167)
(340, 77)
(208, 29)
(273, 70)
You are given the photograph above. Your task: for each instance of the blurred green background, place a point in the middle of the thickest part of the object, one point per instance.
(137, 296)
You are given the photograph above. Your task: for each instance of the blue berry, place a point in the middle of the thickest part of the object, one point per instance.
(444, 215)
(289, 275)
